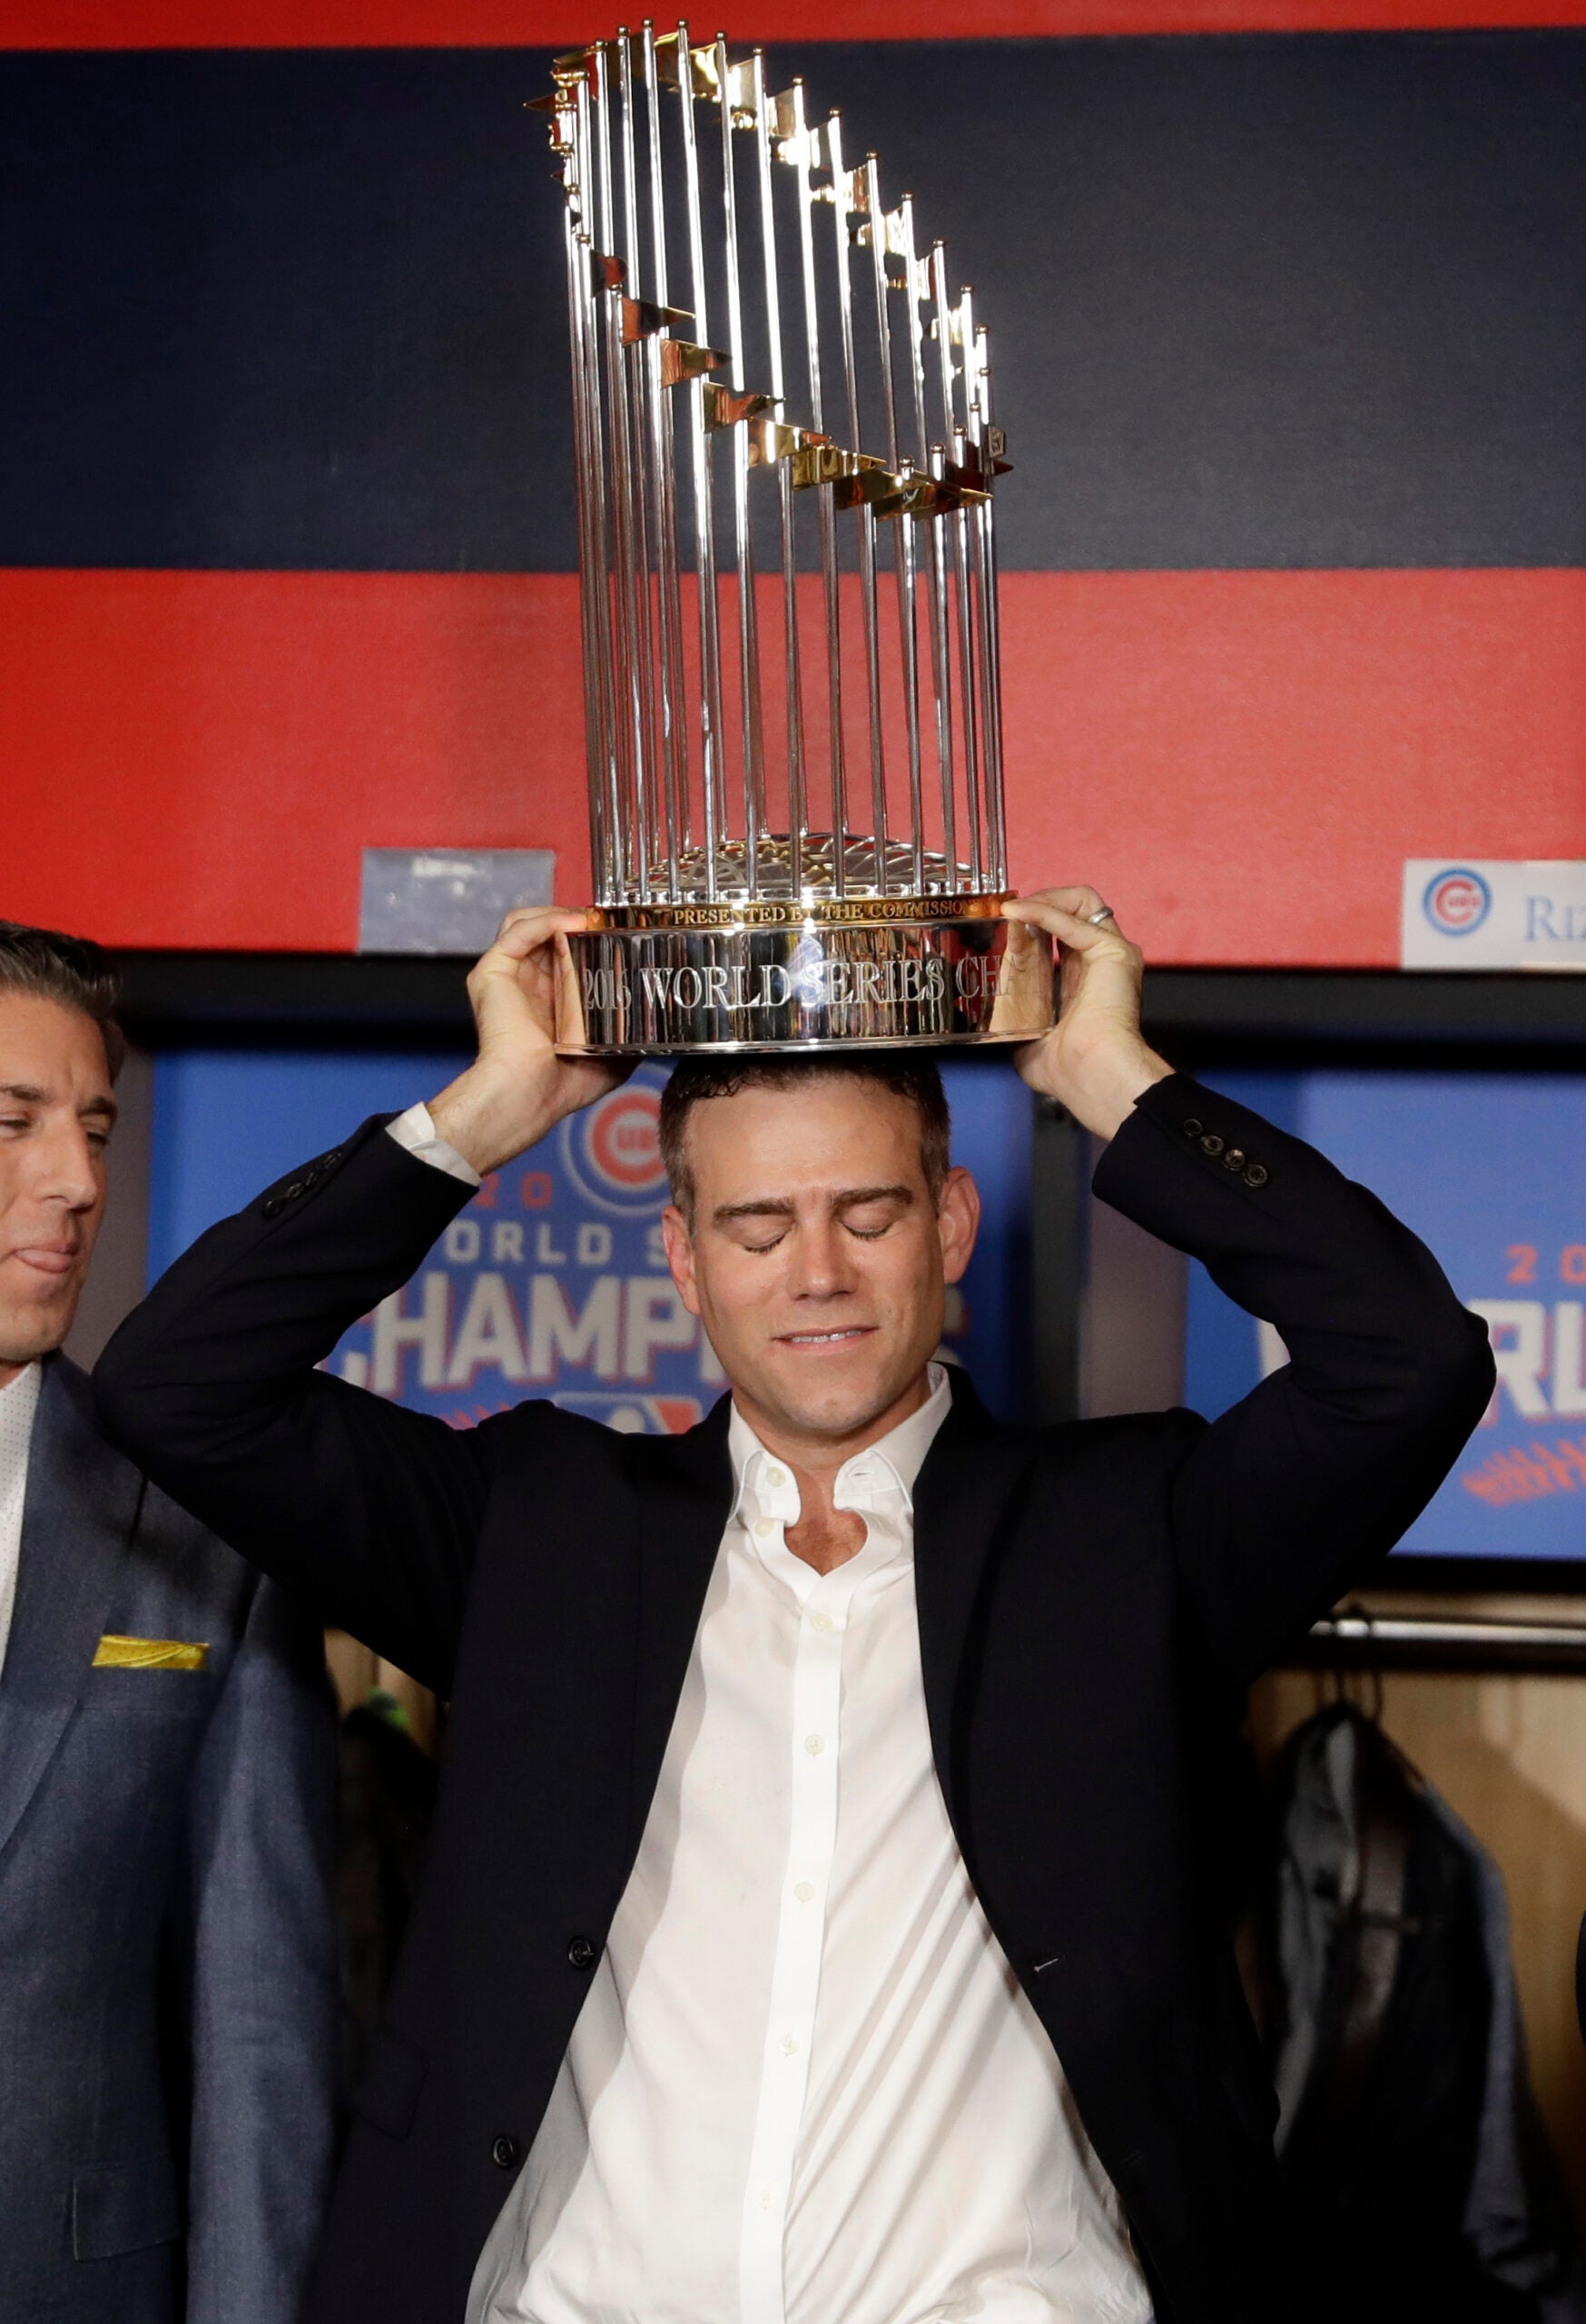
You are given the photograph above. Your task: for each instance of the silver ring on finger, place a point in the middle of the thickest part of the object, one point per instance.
(1096, 918)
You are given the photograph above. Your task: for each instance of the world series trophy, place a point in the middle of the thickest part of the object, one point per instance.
(784, 456)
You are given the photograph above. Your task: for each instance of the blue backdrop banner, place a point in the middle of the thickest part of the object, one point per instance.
(553, 1281)
(1487, 1170)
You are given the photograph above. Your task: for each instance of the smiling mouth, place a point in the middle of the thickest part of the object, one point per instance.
(45, 1261)
(826, 1339)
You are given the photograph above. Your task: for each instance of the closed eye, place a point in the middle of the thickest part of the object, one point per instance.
(755, 1230)
(868, 1221)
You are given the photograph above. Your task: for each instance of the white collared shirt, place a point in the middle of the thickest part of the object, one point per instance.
(18, 1403)
(416, 1132)
(805, 2087)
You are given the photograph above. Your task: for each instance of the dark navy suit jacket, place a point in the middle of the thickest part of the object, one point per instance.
(1092, 1599)
(167, 1996)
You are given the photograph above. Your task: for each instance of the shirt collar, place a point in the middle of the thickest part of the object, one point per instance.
(18, 1403)
(893, 1461)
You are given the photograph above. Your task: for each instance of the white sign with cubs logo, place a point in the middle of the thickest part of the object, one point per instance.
(1472, 912)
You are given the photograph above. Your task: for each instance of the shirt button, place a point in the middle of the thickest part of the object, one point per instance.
(806, 1892)
(814, 1745)
(763, 1526)
(775, 1477)
(766, 2198)
(820, 1621)
(789, 2045)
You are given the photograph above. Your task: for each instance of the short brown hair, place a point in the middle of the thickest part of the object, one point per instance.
(70, 970)
(695, 1079)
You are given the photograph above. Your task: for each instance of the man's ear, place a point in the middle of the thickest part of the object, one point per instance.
(958, 1217)
(679, 1245)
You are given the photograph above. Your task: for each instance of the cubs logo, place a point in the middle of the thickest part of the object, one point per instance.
(612, 1151)
(1457, 900)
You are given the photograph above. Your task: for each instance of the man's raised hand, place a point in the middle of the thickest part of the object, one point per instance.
(1094, 1060)
(517, 1088)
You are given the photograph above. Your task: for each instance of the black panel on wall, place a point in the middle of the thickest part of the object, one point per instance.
(1258, 301)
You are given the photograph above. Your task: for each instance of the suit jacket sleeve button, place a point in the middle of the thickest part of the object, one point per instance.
(582, 1952)
(505, 2152)
(1211, 1144)
(272, 1209)
(1192, 1127)
(1234, 1159)
(1254, 1175)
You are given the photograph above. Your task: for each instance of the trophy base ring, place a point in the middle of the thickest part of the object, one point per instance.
(908, 972)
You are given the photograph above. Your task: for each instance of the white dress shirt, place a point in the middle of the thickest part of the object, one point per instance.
(805, 2086)
(416, 1130)
(18, 1403)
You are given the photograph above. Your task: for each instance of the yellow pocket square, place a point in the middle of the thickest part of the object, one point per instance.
(148, 1654)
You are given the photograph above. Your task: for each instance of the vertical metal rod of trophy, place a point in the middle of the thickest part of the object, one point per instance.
(797, 803)
(575, 266)
(710, 666)
(625, 565)
(754, 821)
(941, 663)
(599, 694)
(801, 145)
(635, 388)
(957, 446)
(596, 210)
(846, 194)
(903, 562)
(930, 461)
(578, 257)
(978, 390)
(669, 671)
(594, 744)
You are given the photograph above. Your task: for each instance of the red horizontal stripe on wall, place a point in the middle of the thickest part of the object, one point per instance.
(515, 24)
(200, 758)
(1240, 761)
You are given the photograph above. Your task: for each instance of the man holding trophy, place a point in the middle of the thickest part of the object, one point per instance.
(818, 1927)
